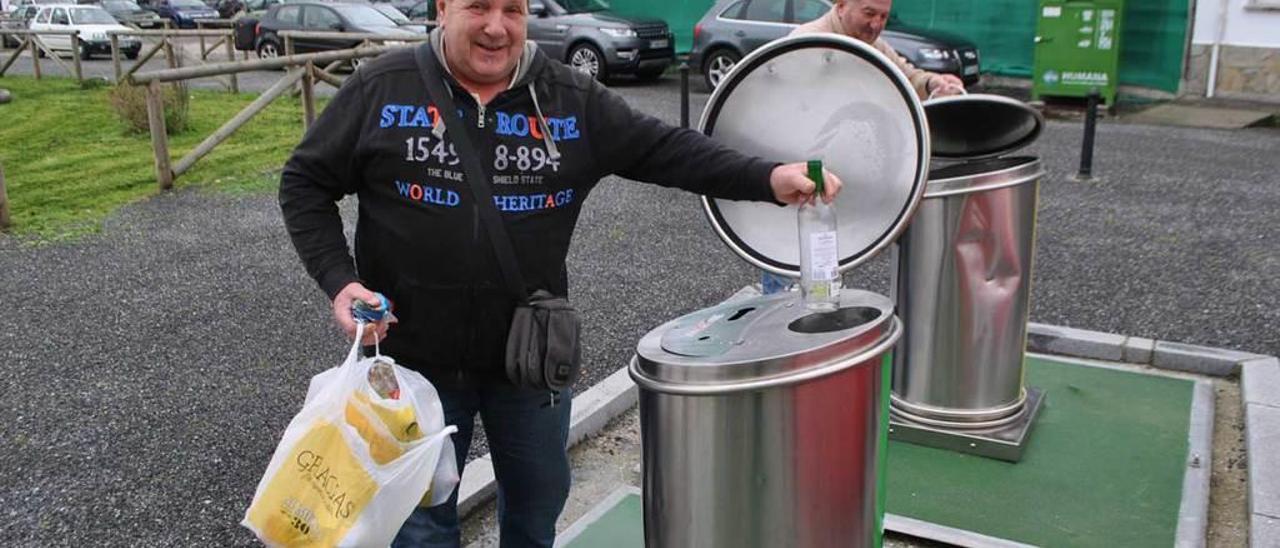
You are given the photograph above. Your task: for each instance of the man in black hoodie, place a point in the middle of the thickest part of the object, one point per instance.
(546, 135)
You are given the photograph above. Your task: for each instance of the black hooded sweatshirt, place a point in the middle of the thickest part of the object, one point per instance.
(544, 144)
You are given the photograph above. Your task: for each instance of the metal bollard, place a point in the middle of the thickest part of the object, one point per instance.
(1090, 127)
(684, 94)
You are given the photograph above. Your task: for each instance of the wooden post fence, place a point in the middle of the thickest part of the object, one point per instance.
(75, 56)
(159, 134)
(301, 67)
(308, 96)
(165, 43)
(35, 56)
(206, 146)
(231, 56)
(32, 42)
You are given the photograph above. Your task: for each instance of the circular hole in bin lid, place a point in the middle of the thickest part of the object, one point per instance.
(831, 98)
(980, 126)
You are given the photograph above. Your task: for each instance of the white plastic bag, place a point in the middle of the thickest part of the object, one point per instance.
(352, 465)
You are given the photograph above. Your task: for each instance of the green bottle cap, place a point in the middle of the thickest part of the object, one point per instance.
(815, 175)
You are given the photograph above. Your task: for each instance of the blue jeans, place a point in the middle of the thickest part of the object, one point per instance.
(771, 283)
(527, 432)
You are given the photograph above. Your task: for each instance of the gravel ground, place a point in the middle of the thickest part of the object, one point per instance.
(149, 370)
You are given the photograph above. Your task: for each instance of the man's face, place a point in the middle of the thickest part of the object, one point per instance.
(863, 19)
(483, 39)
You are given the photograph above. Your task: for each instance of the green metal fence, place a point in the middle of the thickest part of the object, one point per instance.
(1154, 37)
(1153, 40)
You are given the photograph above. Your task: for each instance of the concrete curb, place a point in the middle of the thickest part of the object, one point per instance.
(1193, 511)
(592, 410)
(1174, 356)
(1260, 392)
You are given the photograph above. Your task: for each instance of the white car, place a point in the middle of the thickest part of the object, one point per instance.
(93, 22)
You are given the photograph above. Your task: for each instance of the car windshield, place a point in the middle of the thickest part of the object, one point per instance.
(391, 12)
(363, 16)
(186, 3)
(583, 6)
(91, 16)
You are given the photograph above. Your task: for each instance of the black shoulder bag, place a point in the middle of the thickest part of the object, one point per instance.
(543, 348)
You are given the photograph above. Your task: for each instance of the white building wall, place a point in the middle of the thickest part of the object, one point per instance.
(1248, 23)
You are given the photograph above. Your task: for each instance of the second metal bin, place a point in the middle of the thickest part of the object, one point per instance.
(964, 282)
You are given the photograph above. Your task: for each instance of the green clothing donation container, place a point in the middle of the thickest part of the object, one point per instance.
(1077, 49)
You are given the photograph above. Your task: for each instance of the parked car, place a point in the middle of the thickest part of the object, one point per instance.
(257, 8)
(401, 5)
(93, 23)
(733, 28)
(423, 12)
(400, 18)
(320, 17)
(23, 11)
(19, 19)
(183, 13)
(587, 36)
(128, 12)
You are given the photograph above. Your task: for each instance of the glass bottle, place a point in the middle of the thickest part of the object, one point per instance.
(819, 250)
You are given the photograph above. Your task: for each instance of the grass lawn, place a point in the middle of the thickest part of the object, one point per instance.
(69, 161)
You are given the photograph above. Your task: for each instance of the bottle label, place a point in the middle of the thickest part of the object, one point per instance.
(824, 261)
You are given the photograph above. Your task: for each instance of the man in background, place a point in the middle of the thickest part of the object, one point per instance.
(864, 20)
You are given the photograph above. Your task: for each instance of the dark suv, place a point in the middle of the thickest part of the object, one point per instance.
(320, 17)
(588, 37)
(734, 28)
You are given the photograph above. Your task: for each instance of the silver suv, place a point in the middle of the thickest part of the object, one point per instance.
(590, 38)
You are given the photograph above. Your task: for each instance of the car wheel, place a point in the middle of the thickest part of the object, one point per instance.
(586, 58)
(131, 55)
(84, 53)
(268, 49)
(718, 65)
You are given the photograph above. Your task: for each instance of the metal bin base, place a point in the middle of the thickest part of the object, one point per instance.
(1004, 443)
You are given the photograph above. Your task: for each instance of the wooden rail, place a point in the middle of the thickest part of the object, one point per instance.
(32, 41)
(364, 39)
(301, 69)
(165, 43)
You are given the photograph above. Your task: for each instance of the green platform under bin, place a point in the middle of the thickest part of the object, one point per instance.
(1104, 467)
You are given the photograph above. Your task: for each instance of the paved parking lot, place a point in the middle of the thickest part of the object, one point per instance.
(149, 370)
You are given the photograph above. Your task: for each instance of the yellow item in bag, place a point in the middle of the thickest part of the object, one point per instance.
(399, 420)
(383, 448)
(317, 495)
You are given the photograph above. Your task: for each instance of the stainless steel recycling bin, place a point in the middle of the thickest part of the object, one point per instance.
(964, 281)
(761, 423)
(764, 424)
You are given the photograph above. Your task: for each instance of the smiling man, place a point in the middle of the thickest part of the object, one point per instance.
(864, 20)
(545, 135)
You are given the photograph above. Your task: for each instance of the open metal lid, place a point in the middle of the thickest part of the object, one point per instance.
(827, 97)
(980, 126)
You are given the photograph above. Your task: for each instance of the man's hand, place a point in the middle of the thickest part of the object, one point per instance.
(791, 184)
(342, 303)
(942, 85)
